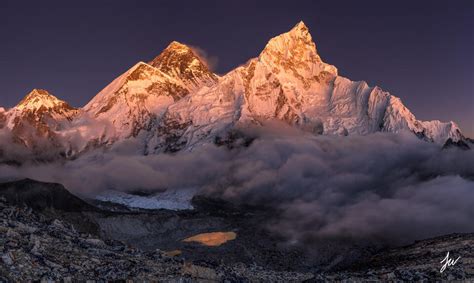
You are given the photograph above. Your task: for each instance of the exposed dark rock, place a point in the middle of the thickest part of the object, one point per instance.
(234, 139)
(53, 200)
(41, 196)
(456, 144)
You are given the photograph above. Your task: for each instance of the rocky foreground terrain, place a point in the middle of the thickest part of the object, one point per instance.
(35, 247)
(47, 233)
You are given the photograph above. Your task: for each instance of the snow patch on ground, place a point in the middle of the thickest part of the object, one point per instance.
(170, 199)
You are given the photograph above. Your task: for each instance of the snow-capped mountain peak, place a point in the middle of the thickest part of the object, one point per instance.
(299, 34)
(301, 28)
(183, 63)
(38, 120)
(41, 99)
(177, 47)
(296, 53)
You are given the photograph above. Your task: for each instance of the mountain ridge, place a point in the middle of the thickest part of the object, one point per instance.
(175, 101)
(290, 82)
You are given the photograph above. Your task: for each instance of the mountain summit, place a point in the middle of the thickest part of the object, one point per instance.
(180, 62)
(42, 100)
(295, 51)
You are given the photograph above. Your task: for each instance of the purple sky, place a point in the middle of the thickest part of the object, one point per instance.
(421, 51)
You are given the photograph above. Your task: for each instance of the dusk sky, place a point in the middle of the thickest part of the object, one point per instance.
(420, 51)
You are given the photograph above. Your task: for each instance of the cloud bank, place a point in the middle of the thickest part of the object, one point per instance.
(392, 187)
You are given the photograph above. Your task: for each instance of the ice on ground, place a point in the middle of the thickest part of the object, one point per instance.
(171, 199)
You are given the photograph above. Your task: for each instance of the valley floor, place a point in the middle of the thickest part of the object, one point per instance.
(60, 237)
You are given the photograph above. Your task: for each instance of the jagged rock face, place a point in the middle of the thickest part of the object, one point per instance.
(290, 82)
(36, 121)
(182, 63)
(464, 145)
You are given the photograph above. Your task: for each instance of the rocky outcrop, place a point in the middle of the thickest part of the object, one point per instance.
(43, 196)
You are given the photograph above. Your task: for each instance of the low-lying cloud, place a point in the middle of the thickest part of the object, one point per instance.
(383, 186)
